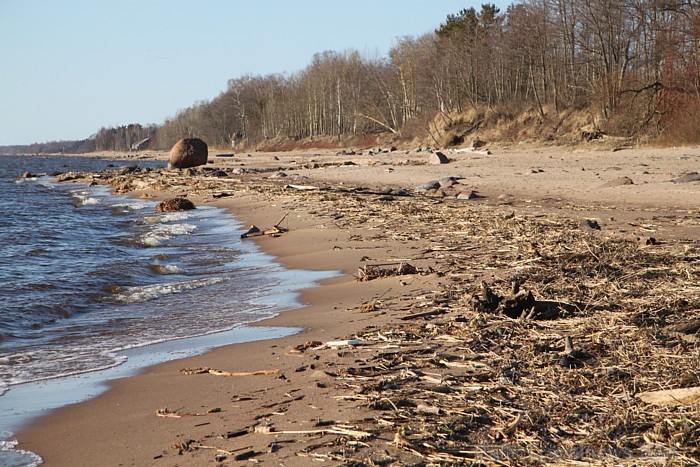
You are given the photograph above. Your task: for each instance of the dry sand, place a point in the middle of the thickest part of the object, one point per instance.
(297, 416)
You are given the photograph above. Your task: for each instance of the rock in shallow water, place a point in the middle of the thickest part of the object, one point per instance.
(175, 204)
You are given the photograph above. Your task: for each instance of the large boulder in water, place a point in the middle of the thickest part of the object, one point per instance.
(188, 152)
(175, 204)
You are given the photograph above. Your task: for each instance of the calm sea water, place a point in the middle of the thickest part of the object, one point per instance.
(89, 278)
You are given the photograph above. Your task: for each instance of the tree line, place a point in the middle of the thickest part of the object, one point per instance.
(121, 138)
(633, 66)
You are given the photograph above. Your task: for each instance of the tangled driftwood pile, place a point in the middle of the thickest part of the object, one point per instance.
(558, 378)
(542, 344)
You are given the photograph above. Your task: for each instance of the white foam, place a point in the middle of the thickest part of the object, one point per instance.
(54, 365)
(84, 198)
(166, 218)
(147, 293)
(134, 206)
(11, 457)
(181, 229)
(176, 216)
(166, 269)
(7, 441)
(164, 232)
(149, 220)
(153, 239)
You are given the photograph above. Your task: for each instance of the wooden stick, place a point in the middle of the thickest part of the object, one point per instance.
(281, 220)
(212, 371)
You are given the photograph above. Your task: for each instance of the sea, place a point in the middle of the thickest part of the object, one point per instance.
(96, 286)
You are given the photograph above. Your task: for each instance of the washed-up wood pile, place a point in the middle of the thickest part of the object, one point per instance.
(476, 383)
(541, 346)
(479, 384)
(369, 272)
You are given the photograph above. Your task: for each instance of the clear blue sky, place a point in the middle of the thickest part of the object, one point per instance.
(69, 67)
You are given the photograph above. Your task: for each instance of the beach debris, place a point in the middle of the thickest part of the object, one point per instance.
(688, 331)
(184, 446)
(572, 358)
(275, 231)
(649, 241)
(431, 185)
(469, 194)
(372, 305)
(478, 143)
(672, 397)
(167, 413)
(175, 204)
(188, 152)
(590, 225)
(449, 187)
(318, 345)
(438, 158)
(424, 314)
(212, 371)
(303, 187)
(474, 376)
(245, 455)
(342, 343)
(687, 177)
(253, 231)
(620, 181)
(369, 272)
(240, 454)
(235, 434)
(520, 304)
(343, 430)
(308, 345)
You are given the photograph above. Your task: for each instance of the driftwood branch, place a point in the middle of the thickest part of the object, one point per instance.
(212, 371)
(672, 397)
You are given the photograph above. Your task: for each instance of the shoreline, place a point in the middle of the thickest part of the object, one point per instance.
(283, 297)
(284, 417)
(319, 317)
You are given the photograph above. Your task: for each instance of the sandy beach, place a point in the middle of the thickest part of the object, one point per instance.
(593, 246)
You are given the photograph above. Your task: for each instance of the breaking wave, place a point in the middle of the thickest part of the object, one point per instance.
(146, 293)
